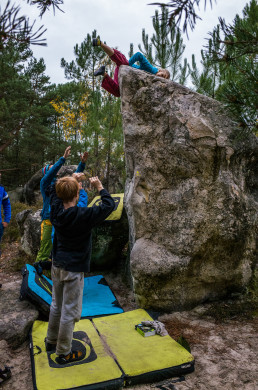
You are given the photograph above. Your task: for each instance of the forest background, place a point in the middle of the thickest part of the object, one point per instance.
(38, 119)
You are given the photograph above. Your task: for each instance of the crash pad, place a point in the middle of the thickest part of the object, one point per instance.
(143, 359)
(117, 212)
(116, 355)
(98, 370)
(98, 299)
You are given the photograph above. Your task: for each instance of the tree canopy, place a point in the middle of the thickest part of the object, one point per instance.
(229, 63)
(39, 119)
(165, 48)
(18, 27)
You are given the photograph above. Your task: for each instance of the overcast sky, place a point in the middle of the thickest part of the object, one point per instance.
(118, 22)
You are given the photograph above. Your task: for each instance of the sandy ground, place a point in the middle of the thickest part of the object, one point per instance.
(225, 352)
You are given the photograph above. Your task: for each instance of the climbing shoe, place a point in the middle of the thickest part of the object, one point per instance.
(101, 71)
(96, 41)
(73, 356)
(50, 347)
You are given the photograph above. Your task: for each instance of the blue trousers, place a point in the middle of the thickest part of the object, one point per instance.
(1, 230)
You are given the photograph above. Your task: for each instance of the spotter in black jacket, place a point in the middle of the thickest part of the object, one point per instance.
(72, 239)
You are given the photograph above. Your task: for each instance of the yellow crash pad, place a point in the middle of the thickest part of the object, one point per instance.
(116, 355)
(143, 359)
(98, 370)
(117, 212)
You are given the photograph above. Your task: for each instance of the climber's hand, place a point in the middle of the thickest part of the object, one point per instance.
(96, 183)
(67, 152)
(79, 176)
(84, 157)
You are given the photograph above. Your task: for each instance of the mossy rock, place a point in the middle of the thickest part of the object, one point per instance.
(108, 242)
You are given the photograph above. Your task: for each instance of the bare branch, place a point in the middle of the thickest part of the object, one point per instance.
(44, 5)
(13, 26)
(183, 10)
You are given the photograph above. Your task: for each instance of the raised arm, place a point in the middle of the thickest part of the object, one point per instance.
(51, 174)
(96, 214)
(107, 205)
(82, 163)
(83, 198)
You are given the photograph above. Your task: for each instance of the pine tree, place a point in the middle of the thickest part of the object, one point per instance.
(208, 80)
(234, 48)
(103, 128)
(15, 91)
(165, 48)
(87, 60)
(25, 132)
(112, 153)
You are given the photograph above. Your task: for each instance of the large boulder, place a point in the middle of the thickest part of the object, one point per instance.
(191, 194)
(29, 224)
(16, 317)
(15, 195)
(30, 192)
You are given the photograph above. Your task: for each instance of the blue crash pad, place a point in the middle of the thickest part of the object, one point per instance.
(98, 299)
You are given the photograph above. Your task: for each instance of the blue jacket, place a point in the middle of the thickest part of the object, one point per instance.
(83, 199)
(5, 202)
(144, 63)
(47, 179)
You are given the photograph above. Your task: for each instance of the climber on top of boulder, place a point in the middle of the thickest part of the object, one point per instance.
(111, 85)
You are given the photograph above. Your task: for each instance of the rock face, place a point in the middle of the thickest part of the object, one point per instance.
(15, 195)
(16, 317)
(191, 194)
(30, 192)
(29, 224)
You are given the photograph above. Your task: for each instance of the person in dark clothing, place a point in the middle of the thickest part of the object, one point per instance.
(71, 258)
(5, 203)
